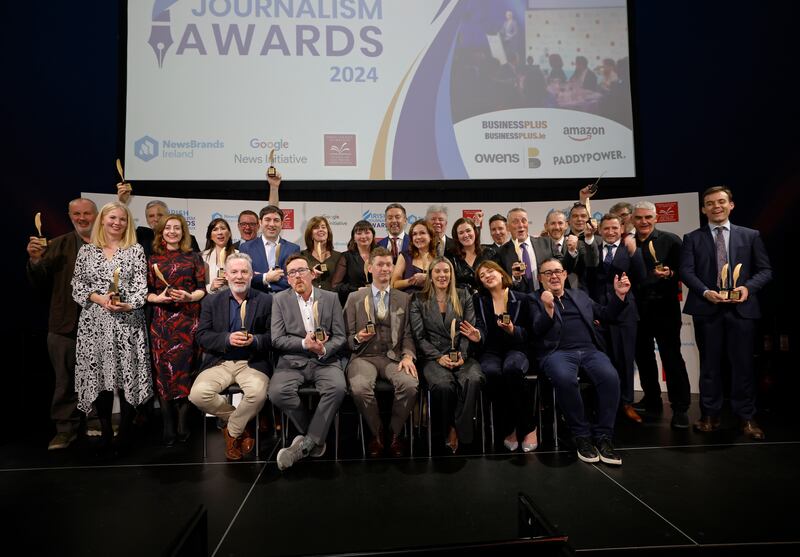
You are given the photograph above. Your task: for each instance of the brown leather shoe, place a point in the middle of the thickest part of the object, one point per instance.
(707, 424)
(397, 447)
(750, 429)
(246, 442)
(232, 449)
(631, 414)
(375, 446)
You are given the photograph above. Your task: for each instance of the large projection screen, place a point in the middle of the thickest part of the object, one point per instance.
(378, 89)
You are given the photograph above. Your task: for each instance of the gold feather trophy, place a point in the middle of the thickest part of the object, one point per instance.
(506, 317)
(319, 332)
(221, 256)
(370, 321)
(323, 268)
(114, 290)
(724, 291)
(271, 170)
(37, 222)
(735, 295)
(519, 264)
(455, 354)
(652, 248)
(161, 277)
(242, 316)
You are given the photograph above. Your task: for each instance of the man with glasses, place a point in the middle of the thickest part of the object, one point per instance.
(624, 210)
(309, 336)
(566, 339)
(248, 220)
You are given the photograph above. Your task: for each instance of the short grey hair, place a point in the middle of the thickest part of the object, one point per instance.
(78, 200)
(436, 209)
(555, 212)
(646, 205)
(243, 256)
(155, 202)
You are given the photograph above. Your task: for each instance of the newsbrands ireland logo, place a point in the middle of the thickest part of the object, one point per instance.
(340, 149)
(533, 158)
(667, 211)
(583, 133)
(160, 30)
(497, 158)
(145, 148)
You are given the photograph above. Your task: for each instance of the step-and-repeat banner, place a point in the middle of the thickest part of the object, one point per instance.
(677, 213)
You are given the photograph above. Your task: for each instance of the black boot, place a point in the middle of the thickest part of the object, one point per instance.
(168, 421)
(127, 413)
(104, 404)
(183, 420)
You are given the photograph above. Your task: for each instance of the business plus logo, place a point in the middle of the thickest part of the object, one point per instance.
(145, 148)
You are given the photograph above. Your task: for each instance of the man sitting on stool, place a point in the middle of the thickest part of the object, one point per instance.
(567, 339)
(237, 351)
(382, 344)
(308, 333)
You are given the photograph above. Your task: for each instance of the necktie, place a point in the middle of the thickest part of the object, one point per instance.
(607, 260)
(382, 305)
(527, 260)
(440, 247)
(270, 256)
(394, 248)
(558, 247)
(722, 254)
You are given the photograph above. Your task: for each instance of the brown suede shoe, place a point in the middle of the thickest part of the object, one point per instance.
(375, 447)
(246, 442)
(631, 414)
(750, 429)
(232, 449)
(397, 448)
(707, 424)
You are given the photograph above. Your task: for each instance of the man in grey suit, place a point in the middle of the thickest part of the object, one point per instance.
(308, 333)
(385, 348)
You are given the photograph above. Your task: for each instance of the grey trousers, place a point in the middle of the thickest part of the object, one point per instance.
(329, 383)
(362, 372)
(453, 396)
(64, 407)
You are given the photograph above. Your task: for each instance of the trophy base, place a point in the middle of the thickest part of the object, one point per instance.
(735, 295)
(43, 241)
(319, 334)
(505, 319)
(725, 294)
(323, 268)
(370, 327)
(454, 355)
(272, 172)
(115, 299)
(659, 268)
(221, 273)
(245, 332)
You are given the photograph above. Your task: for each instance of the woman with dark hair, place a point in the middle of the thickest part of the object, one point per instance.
(218, 247)
(502, 319)
(351, 270)
(440, 314)
(110, 285)
(319, 252)
(467, 254)
(176, 279)
(411, 270)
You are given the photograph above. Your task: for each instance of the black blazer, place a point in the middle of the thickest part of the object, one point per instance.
(349, 275)
(465, 274)
(431, 333)
(213, 330)
(654, 294)
(600, 281)
(543, 249)
(494, 339)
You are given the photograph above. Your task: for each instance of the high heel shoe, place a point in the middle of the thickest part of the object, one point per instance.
(527, 445)
(511, 445)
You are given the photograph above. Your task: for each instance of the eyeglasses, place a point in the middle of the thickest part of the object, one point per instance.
(549, 274)
(248, 224)
(298, 272)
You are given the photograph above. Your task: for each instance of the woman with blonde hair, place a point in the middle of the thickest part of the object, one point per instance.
(441, 316)
(110, 285)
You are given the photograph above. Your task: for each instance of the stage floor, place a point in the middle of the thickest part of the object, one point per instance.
(676, 489)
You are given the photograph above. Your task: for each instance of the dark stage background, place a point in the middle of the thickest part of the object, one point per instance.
(714, 100)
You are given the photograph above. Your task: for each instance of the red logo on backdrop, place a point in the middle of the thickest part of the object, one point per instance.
(667, 212)
(470, 213)
(288, 219)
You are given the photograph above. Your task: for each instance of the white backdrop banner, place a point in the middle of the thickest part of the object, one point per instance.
(677, 213)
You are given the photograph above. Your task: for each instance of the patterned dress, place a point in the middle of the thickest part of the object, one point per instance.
(172, 329)
(111, 348)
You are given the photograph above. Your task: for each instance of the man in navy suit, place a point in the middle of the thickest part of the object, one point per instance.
(236, 351)
(724, 327)
(618, 255)
(567, 339)
(397, 241)
(268, 274)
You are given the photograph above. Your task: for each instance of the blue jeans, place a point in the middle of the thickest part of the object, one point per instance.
(561, 367)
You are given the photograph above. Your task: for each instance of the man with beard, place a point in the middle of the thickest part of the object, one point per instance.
(51, 268)
(397, 241)
(234, 331)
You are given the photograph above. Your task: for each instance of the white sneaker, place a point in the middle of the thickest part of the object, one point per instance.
(291, 454)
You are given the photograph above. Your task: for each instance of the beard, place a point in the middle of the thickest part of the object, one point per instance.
(239, 288)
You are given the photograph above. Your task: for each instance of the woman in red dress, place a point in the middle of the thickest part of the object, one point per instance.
(176, 284)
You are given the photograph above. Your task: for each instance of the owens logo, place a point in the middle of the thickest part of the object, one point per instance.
(496, 158)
